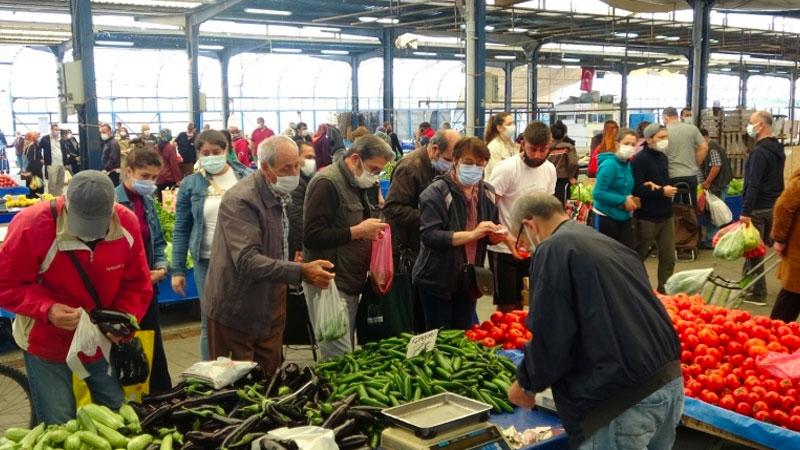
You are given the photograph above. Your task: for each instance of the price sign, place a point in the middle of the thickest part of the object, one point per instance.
(421, 343)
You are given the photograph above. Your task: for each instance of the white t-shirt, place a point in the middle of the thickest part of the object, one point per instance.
(512, 179)
(500, 151)
(224, 181)
(55, 152)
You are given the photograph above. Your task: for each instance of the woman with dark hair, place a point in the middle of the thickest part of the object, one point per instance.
(458, 220)
(499, 137)
(614, 202)
(34, 178)
(196, 211)
(605, 142)
(322, 146)
(640, 135)
(565, 158)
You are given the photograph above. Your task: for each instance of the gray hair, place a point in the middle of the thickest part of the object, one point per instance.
(440, 140)
(670, 112)
(536, 205)
(268, 149)
(370, 146)
(765, 117)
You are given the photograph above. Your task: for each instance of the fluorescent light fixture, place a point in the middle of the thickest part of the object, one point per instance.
(488, 28)
(267, 12)
(556, 67)
(460, 55)
(287, 50)
(115, 43)
(212, 47)
(570, 60)
(725, 69)
(613, 59)
(714, 41)
(668, 38)
(627, 35)
(388, 20)
(505, 57)
(782, 72)
(552, 14)
(335, 52)
(517, 30)
(367, 19)
(753, 70)
(324, 29)
(425, 53)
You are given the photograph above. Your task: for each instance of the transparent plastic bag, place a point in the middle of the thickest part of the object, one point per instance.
(218, 373)
(719, 211)
(731, 246)
(750, 237)
(687, 281)
(381, 266)
(331, 322)
(781, 365)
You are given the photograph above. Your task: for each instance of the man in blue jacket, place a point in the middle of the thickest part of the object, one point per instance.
(602, 341)
(763, 184)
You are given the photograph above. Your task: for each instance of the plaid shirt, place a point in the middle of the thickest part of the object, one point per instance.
(285, 201)
(716, 161)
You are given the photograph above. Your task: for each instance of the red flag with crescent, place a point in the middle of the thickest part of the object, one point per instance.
(587, 77)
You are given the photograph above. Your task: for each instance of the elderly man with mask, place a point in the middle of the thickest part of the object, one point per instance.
(608, 348)
(340, 225)
(250, 265)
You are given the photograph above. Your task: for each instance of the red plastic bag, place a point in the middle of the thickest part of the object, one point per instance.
(381, 264)
(781, 365)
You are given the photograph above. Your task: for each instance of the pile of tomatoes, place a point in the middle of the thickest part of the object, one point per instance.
(505, 329)
(720, 349)
(7, 182)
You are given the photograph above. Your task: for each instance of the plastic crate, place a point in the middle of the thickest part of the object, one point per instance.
(385, 188)
(166, 295)
(19, 190)
(734, 202)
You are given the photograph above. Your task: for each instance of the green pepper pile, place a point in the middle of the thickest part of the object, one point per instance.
(381, 375)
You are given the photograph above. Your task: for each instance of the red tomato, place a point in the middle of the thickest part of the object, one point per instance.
(497, 317)
(772, 398)
(757, 350)
(487, 325)
(496, 334)
(481, 335)
(489, 342)
(715, 382)
(760, 332)
(727, 402)
(700, 349)
(512, 333)
(709, 397)
(709, 337)
(752, 398)
(783, 330)
(794, 422)
(774, 346)
(759, 390)
(528, 335)
(732, 381)
(785, 384)
(737, 359)
(790, 341)
(779, 417)
(470, 334)
(760, 406)
(788, 402)
(510, 318)
(508, 346)
(520, 342)
(762, 416)
(518, 326)
(744, 408)
(795, 411)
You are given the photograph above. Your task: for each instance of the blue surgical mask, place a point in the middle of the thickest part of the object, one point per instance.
(145, 188)
(213, 164)
(751, 130)
(469, 174)
(442, 165)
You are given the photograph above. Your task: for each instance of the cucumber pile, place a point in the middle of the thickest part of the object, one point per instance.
(381, 376)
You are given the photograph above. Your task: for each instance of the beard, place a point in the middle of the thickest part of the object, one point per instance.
(532, 162)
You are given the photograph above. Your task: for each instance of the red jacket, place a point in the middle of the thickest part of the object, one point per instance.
(170, 172)
(242, 150)
(257, 136)
(35, 273)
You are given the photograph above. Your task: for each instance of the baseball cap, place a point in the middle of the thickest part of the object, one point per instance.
(651, 130)
(90, 201)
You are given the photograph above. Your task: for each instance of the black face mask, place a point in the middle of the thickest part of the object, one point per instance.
(532, 162)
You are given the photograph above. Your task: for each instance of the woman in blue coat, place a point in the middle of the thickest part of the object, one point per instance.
(613, 199)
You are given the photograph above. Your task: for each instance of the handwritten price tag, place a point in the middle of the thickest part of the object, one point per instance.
(421, 343)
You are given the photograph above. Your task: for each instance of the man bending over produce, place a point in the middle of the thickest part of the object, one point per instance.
(601, 339)
(40, 282)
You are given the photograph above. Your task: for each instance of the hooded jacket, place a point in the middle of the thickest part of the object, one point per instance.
(763, 175)
(650, 165)
(614, 184)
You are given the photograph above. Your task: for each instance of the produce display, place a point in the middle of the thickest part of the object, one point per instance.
(6, 181)
(581, 192)
(21, 201)
(736, 187)
(737, 240)
(167, 220)
(507, 330)
(380, 375)
(720, 354)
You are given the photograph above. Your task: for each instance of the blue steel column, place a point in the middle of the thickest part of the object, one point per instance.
(224, 62)
(700, 55)
(480, 66)
(193, 50)
(509, 70)
(623, 98)
(388, 75)
(354, 106)
(83, 50)
(533, 80)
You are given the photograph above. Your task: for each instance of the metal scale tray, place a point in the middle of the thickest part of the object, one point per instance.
(432, 415)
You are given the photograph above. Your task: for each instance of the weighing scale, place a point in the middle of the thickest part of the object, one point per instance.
(442, 422)
(478, 436)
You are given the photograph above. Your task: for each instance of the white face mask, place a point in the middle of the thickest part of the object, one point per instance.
(511, 131)
(285, 184)
(533, 243)
(662, 145)
(625, 152)
(366, 180)
(309, 167)
(105, 136)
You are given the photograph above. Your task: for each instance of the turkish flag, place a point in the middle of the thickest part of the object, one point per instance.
(587, 77)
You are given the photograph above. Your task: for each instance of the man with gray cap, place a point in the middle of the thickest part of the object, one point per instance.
(654, 225)
(40, 282)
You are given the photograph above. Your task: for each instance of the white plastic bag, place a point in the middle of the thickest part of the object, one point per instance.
(86, 339)
(218, 373)
(720, 213)
(307, 438)
(687, 281)
(330, 320)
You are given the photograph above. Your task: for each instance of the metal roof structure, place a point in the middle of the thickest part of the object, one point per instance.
(339, 29)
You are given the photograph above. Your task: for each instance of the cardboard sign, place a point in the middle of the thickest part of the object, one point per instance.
(421, 343)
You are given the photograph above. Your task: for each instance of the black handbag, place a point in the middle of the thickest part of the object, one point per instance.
(476, 281)
(127, 358)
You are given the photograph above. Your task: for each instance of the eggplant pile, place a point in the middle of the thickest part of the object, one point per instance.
(234, 417)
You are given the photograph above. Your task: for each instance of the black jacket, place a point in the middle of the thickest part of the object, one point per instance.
(296, 216)
(725, 174)
(606, 341)
(186, 147)
(46, 146)
(443, 212)
(412, 175)
(651, 165)
(763, 175)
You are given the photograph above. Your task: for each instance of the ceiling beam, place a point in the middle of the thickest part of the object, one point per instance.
(206, 13)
